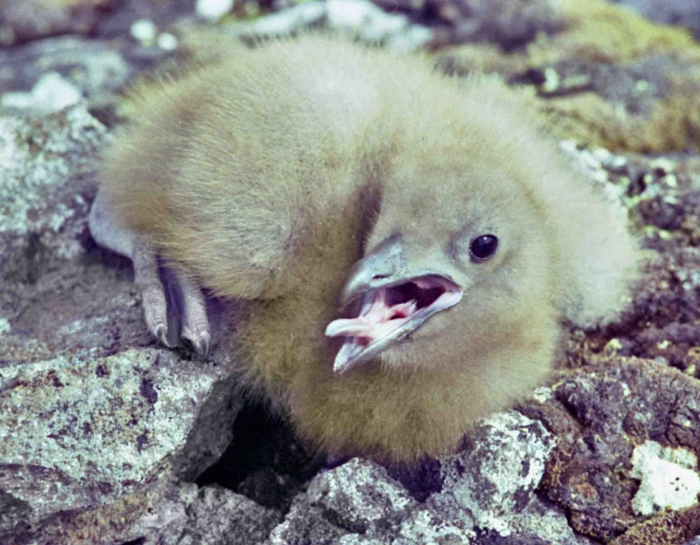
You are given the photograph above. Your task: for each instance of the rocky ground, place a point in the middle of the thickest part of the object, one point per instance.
(109, 438)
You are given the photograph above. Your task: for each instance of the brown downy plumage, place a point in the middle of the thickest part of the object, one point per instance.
(312, 175)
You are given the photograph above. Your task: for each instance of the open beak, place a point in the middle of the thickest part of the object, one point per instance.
(394, 302)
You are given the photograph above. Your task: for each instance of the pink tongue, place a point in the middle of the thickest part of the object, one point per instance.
(371, 324)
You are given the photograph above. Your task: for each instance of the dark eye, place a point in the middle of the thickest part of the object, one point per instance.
(483, 247)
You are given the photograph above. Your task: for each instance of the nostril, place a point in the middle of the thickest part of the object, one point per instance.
(380, 276)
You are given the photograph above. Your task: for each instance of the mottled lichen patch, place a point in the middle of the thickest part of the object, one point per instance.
(37, 154)
(94, 431)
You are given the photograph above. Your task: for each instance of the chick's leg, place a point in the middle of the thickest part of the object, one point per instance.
(168, 305)
(153, 294)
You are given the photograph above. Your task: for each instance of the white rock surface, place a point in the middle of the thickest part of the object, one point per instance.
(51, 93)
(372, 24)
(144, 30)
(213, 10)
(669, 478)
(289, 20)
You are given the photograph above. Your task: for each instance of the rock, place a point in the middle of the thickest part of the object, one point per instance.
(164, 14)
(359, 503)
(357, 18)
(507, 23)
(486, 490)
(599, 413)
(144, 30)
(363, 498)
(37, 156)
(213, 10)
(51, 94)
(97, 69)
(290, 20)
(306, 524)
(606, 77)
(491, 484)
(668, 528)
(365, 18)
(89, 426)
(78, 435)
(211, 516)
(643, 105)
(44, 199)
(495, 478)
(669, 478)
(370, 23)
(24, 20)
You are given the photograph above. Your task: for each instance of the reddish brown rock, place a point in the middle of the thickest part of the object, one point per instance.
(599, 414)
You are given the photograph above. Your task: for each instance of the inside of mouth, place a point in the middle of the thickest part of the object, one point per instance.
(385, 309)
(396, 303)
(396, 296)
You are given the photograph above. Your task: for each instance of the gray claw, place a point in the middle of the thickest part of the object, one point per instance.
(203, 347)
(201, 343)
(161, 333)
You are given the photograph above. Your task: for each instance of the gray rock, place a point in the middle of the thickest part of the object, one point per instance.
(358, 503)
(488, 490)
(357, 18)
(208, 516)
(51, 94)
(36, 157)
(23, 20)
(213, 10)
(290, 20)
(367, 21)
(98, 69)
(94, 425)
(362, 497)
(496, 477)
(491, 484)
(80, 434)
(163, 13)
(426, 526)
(510, 24)
(306, 523)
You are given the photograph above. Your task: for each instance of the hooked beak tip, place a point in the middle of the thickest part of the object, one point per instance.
(377, 268)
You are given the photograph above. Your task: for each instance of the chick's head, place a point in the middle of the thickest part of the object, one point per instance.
(457, 261)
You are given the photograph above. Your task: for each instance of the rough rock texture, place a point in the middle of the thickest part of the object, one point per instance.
(356, 18)
(104, 433)
(608, 77)
(96, 70)
(208, 516)
(510, 24)
(600, 413)
(90, 425)
(24, 20)
(485, 495)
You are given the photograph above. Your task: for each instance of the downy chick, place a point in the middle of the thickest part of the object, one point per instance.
(407, 242)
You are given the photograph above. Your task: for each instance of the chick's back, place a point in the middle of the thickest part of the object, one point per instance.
(230, 166)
